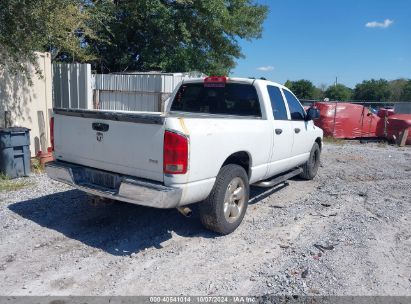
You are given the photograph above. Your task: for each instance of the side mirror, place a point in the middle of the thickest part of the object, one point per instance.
(312, 114)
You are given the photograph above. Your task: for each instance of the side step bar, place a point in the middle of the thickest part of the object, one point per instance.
(279, 179)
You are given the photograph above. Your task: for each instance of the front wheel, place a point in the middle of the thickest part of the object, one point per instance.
(225, 207)
(310, 168)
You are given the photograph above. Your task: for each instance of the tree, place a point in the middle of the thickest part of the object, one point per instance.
(318, 93)
(168, 35)
(338, 92)
(406, 92)
(396, 88)
(60, 27)
(179, 35)
(303, 89)
(372, 90)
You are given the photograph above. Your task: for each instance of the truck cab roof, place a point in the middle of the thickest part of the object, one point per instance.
(238, 80)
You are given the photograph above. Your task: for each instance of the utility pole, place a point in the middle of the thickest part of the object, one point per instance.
(336, 80)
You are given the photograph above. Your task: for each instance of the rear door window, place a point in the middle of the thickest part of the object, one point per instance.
(232, 99)
(296, 109)
(277, 103)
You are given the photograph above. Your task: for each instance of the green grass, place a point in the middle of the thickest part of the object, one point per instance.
(7, 184)
(36, 167)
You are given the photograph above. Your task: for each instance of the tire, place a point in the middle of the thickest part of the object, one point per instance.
(224, 210)
(310, 168)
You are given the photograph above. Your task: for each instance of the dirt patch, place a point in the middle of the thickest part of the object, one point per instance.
(347, 232)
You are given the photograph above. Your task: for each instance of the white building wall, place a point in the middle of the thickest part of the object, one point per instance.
(29, 106)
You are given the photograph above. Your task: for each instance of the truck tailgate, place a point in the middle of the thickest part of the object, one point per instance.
(126, 143)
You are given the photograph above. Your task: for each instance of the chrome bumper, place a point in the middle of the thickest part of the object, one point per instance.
(114, 186)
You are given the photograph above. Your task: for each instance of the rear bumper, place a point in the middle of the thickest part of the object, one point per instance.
(122, 188)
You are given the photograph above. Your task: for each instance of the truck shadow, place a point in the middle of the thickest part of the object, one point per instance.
(257, 194)
(115, 227)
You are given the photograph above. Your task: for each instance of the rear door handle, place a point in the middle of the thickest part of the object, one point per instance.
(278, 131)
(98, 126)
(297, 130)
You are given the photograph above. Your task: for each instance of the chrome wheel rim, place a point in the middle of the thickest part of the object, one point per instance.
(234, 200)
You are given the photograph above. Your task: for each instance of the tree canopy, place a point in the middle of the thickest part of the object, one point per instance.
(368, 90)
(375, 90)
(396, 88)
(338, 92)
(60, 27)
(406, 92)
(168, 35)
(303, 89)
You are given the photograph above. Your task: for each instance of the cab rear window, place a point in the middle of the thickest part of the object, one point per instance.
(232, 99)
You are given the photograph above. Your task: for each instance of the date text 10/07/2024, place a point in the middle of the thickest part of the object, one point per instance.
(205, 299)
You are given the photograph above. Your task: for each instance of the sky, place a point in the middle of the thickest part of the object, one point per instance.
(319, 40)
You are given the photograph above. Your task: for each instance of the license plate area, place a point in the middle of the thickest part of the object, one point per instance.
(102, 179)
(97, 178)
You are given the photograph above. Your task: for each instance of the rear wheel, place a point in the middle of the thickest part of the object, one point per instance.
(225, 207)
(310, 168)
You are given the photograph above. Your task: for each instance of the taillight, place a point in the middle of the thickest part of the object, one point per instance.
(52, 133)
(175, 153)
(215, 81)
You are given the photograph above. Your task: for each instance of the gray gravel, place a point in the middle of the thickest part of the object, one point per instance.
(347, 232)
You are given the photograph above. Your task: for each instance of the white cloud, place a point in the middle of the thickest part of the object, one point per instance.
(265, 68)
(385, 24)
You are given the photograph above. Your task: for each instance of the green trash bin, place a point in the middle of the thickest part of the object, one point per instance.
(15, 152)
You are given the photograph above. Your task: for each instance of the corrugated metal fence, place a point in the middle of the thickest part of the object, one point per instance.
(135, 92)
(75, 87)
(72, 86)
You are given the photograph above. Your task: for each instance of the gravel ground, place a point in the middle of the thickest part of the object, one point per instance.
(347, 232)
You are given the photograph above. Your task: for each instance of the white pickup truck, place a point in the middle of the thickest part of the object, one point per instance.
(216, 137)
